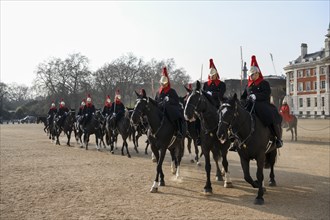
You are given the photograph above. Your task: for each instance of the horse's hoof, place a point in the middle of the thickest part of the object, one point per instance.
(153, 190)
(272, 183)
(207, 192)
(228, 185)
(112, 152)
(162, 183)
(199, 163)
(219, 178)
(259, 201)
(154, 160)
(128, 155)
(192, 161)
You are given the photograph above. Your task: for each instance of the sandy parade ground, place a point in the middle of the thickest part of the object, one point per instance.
(40, 180)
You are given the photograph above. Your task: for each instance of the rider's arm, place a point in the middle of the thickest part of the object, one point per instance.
(264, 92)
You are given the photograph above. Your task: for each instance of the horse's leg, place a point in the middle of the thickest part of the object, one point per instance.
(57, 137)
(196, 152)
(179, 155)
(224, 152)
(173, 161)
(245, 163)
(272, 159)
(68, 134)
(216, 158)
(295, 132)
(189, 140)
(146, 149)
(207, 187)
(154, 187)
(291, 129)
(126, 145)
(259, 200)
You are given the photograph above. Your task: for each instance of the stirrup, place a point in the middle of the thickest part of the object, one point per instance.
(279, 143)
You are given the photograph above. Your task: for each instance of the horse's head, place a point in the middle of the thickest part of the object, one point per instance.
(227, 115)
(142, 103)
(193, 103)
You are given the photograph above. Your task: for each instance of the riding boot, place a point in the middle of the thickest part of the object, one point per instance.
(277, 132)
(179, 129)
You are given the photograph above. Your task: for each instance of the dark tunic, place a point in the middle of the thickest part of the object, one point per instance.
(218, 91)
(266, 111)
(172, 108)
(119, 109)
(106, 110)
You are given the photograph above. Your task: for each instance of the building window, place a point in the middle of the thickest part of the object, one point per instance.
(315, 113)
(323, 70)
(315, 85)
(291, 87)
(308, 86)
(300, 113)
(308, 102)
(300, 87)
(313, 73)
(308, 73)
(301, 103)
(308, 112)
(322, 85)
(291, 75)
(322, 101)
(300, 74)
(315, 102)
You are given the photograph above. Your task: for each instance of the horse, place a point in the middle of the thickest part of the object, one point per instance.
(93, 126)
(67, 127)
(255, 142)
(43, 119)
(160, 135)
(122, 127)
(199, 103)
(192, 133)
(291, 126)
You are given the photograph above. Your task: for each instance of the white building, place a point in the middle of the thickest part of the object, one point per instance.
(307, 82)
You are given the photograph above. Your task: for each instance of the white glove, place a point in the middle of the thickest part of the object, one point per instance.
(209, 92)
(113, 113)
(166, 98)
(86, 115)
(253, 97)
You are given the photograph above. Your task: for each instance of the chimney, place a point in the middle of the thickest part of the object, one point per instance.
(303, 50)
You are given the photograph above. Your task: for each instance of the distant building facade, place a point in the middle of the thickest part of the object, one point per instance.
(307, 82)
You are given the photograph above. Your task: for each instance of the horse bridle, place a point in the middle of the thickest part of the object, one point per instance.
(229, 124)
(197, 104)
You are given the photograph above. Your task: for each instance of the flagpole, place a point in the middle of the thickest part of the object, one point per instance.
(271, 57)
(241, 69)
(202, 74)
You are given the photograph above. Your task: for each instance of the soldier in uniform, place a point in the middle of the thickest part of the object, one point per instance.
(214, 87)
(62, 113)
(107, 107)
(258, 92)
(117, 108)
(89, 110)
(168, 100)
(51, 113)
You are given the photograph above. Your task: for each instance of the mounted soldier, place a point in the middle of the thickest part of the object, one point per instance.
(214, 87)
(285, 113)
(51, 113)
(117, 109)
(88, 110)
(168, 101)
(62, 113)
(107, 107)
(257, 92)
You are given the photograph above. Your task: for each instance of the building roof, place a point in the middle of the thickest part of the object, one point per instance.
(312, 56)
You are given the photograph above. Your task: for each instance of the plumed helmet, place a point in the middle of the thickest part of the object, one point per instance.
(284, 102)
(53, 104)
(118, 96)
(164, 79)
(108, 100)
(83, 102)
(62, 103)
(254, 66)
(213, 69)
(89, 98)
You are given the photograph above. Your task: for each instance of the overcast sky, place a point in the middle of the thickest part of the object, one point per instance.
(191, 32)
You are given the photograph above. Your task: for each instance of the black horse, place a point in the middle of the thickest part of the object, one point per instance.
(93, 126)
(43, 119)
(122, 127)
(291, 126)
(255, 141)
(67, 126)
(199, 103)
(160, 135)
